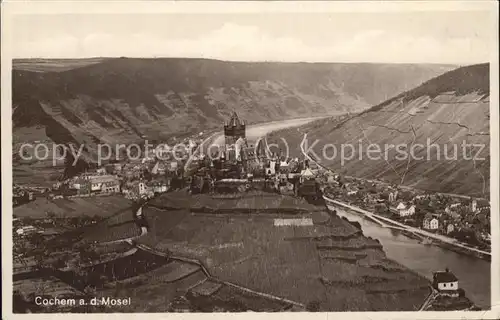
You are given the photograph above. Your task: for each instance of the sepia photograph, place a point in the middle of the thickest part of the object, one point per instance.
(250, 157)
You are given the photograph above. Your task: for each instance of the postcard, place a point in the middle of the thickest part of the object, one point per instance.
(290, 159)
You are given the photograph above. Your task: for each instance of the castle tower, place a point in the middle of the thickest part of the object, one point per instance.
(233, 130)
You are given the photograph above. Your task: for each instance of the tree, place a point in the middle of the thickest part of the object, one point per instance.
(384, 196)
(313, 306)
(380, 208)
(50, 214)
(28, 220)
(74, 222)
(147, 175)
(405, 195)
(58, 263)
(40, 257)
(20, 303)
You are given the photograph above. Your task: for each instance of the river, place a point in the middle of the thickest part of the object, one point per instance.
(473, 273)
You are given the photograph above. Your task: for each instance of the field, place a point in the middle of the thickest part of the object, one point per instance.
(92, 206)
(154, 284)
(330, 262)
(45, 287)
(106, 232)
(180, 286)
(52, 65)
(36, 176)
(257, 201)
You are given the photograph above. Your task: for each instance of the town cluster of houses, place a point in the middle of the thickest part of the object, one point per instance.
(141, 179)
(429, 211)
(451, 218)
(89, 184)
(283, 175)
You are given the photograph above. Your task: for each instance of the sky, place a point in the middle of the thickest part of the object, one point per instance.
(460, 37)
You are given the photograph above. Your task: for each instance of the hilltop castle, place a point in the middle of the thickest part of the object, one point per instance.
(234, 129)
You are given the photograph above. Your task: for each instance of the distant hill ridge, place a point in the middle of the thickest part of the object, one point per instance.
(461, 81)
(123, 100)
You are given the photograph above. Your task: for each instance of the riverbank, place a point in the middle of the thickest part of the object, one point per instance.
(440, 240)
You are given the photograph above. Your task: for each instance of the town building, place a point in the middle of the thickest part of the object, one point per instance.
(159, 168)
(430, 222)
(271, 168)
(452, 207)
(22, 197)
(420, 197)
(405, 211)
(446, 283)
(239, 146)
(26, 230)
(283, 178)
(105, 184)
(137, 189)
(330, 179)
(117, 167)
(192, 145)
(306, 174)
(284, 167)
(173, 166)
(82, 186)
(158, 186)
(163, 152)
(101, 170)
(450, 228)
(141, 187)
(139, 213)
(401, 206)
(393, 196)
(479, 205)
(233, 130)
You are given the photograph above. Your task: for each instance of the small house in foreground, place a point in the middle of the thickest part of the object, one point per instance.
(446, 283)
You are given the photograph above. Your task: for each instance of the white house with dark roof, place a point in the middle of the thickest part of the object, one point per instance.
(430, 222)
(405, 211)
(445, 282)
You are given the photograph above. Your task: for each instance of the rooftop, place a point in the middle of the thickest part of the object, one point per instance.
(445, 276)
(235, 121)
(104, 179)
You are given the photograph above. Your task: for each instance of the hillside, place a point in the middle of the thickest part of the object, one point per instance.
(326, 261)
(123, 100)
(446, 111)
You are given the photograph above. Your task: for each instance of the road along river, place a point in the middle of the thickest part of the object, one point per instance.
(473, 273)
